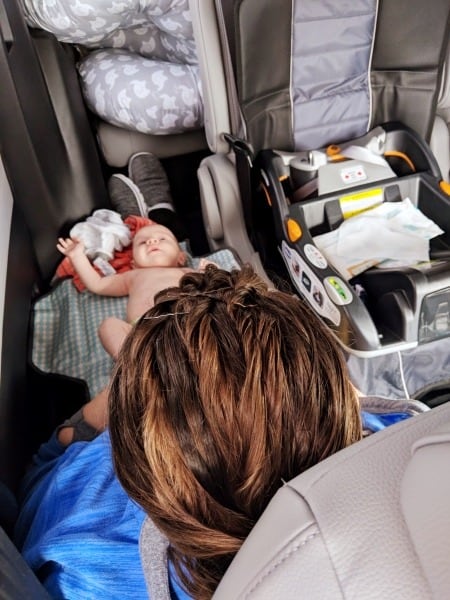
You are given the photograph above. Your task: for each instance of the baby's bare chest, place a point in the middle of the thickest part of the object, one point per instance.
(146, 283)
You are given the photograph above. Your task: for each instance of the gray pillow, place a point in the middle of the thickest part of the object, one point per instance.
(143, 94)
(145, 76)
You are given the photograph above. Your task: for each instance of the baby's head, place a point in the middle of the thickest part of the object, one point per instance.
(156, 246)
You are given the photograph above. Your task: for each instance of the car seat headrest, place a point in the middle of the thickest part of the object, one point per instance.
(349, 528)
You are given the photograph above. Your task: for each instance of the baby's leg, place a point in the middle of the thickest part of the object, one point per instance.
(93, 417)
(112, 333)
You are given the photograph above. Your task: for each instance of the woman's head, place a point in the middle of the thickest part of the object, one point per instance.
(224, 390)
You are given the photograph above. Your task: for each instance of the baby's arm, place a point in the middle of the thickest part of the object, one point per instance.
(110, 285)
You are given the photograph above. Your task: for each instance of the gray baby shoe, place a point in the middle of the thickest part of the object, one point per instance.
(147, 172)
(126, 197)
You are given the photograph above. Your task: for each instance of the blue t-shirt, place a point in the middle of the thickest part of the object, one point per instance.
(78, 529)
(377, 421)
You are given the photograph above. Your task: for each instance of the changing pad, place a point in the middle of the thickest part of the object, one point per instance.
(65, 323)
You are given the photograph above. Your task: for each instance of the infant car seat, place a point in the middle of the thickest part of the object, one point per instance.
(300, 76)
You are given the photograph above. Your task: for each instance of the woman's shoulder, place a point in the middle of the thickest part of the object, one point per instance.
(378, 412)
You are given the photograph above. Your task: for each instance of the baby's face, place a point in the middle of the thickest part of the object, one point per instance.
(156, 246)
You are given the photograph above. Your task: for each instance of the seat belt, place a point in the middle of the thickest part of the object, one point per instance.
(237, 123)
(244, 156)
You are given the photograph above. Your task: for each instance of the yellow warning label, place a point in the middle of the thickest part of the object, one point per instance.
(353, 204)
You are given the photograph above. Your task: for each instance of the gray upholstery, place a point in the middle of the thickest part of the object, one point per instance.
(370, 522)
(212, 71)
(425, 495)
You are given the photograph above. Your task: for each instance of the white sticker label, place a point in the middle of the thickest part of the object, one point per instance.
(315, 256)
(353, 174)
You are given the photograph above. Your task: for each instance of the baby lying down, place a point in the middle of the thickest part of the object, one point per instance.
(157, 264)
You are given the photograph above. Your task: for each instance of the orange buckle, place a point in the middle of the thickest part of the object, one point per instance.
(294, 230)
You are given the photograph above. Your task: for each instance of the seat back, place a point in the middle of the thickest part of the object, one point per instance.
(219, 190)
(308, 74)
(370, 522)
(118, 144)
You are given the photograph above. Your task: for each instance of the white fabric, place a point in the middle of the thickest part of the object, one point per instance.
(102, 233)
(391, 234)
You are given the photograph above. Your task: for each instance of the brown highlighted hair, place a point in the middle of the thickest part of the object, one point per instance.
(224, 390)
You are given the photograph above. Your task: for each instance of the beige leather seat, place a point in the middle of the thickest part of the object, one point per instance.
(371, 522)
(118, 144)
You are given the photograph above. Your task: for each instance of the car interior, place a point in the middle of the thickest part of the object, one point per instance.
(371, 521)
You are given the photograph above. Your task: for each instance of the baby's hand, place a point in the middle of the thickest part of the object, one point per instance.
(204, 262)
(70, 247)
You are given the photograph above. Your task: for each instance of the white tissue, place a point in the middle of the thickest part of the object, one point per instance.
(396, 231)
